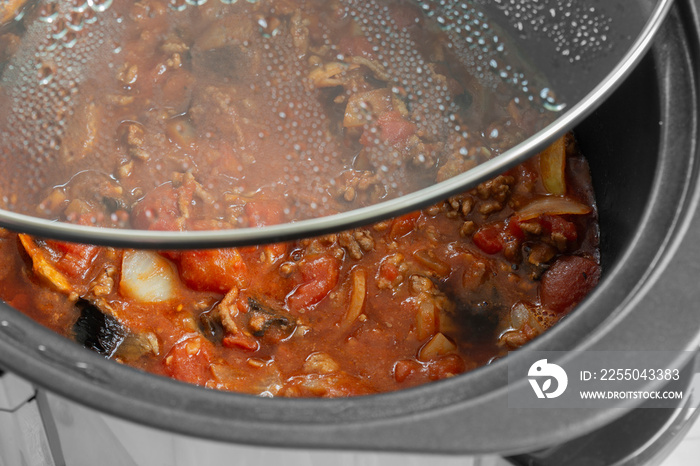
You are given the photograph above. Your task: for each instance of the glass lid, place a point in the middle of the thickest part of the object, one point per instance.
(203, 123)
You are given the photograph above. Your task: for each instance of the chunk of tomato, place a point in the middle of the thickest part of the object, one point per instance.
(567, 282)
(241, 341)
(446, 366)
(406, 368)
(513, 228)
(212, 269)
(405, 15)
(73, 259)
(403, 225)
(556, 224)
(189, 361)
(264, 213)
(488, 239)
(356, 46)
(319, 276)
(388, 271)
(158, 210)
(394, 128)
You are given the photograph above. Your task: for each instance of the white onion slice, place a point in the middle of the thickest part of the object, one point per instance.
(552, 205)
(147, 277)
(553, 167)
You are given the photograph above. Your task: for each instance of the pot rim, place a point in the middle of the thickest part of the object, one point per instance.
(461, 413)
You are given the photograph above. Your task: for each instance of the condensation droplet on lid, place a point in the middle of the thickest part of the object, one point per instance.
(75, 22)
(60, 29)
(46, 73)
(48, 12)
(554, 107)
(89, 17)
(99, 6)
(79, 6)
(69, 40)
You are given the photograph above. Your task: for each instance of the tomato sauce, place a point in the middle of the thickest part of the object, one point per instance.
(402, 302)
(202, 127)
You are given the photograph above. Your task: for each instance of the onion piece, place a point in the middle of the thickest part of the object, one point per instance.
(552, 166)
(147, 277)
(427, 258)
(320, 363)
(329, 75)
(425, 318)
(521, 314)
(552, 205)
(180, 131)
(357, 296)
(439, 345)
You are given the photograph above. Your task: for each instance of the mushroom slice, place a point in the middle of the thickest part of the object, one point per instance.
(264, 321)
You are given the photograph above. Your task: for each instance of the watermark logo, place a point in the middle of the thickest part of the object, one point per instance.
(601, 379)
(542, 370)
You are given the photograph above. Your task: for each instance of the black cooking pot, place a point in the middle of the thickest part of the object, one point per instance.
(641, 145)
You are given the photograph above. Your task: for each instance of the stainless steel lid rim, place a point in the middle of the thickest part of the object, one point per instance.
(463, 414)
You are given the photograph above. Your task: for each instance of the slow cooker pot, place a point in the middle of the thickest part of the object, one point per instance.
(641, 145)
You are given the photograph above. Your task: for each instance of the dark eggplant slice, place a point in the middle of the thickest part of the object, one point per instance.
(211, 327)
(96, 330)
(101, 332)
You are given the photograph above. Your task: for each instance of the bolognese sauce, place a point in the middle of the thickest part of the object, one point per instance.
(199, 127)
(421, 297)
